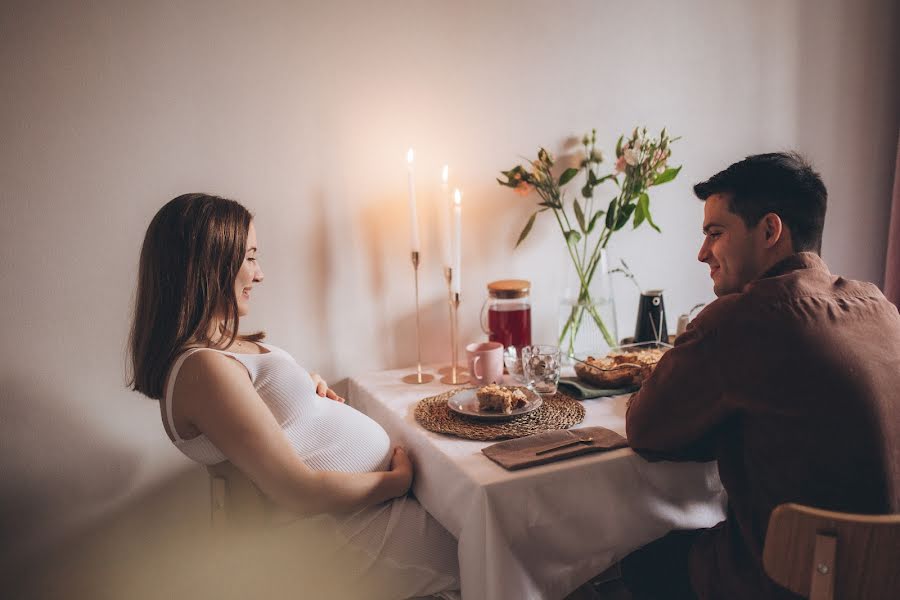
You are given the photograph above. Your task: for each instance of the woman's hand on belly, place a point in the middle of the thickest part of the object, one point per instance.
(323, 390)
(401, 471)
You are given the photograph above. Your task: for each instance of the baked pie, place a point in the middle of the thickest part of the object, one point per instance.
(494, 398)
(619, 368)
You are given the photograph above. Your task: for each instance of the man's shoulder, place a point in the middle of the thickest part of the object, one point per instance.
(738, 315)
(719, 312)
(806, 275)
(854, 288)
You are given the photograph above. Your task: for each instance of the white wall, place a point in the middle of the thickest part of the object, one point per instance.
(304, 112)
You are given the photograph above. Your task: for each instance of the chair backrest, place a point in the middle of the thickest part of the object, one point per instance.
(831, 555)
(235, 501)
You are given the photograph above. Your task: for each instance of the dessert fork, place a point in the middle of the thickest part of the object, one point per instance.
(586, 440)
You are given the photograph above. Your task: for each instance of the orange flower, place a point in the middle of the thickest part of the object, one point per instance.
(524, 188)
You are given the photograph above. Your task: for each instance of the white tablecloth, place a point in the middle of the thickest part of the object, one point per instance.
(540, 532)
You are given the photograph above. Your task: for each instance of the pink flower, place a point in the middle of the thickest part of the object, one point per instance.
(523, 189)
(620, 164)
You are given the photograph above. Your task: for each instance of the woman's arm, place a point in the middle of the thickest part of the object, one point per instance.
(215, 394)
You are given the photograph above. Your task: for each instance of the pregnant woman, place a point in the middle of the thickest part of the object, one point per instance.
(229, 397)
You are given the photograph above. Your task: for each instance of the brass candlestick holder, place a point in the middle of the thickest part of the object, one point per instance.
(456, 376)
(417, 377)
(448, 277)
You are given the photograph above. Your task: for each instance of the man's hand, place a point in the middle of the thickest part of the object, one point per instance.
(323, 390)
(401, 470)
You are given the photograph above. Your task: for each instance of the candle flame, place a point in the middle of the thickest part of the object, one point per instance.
(457, 197)
(445, 173)
(409, 156)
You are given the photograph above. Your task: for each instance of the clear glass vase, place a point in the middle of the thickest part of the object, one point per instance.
(587, 312)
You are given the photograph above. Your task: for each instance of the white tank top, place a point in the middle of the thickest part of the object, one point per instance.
(327, 435)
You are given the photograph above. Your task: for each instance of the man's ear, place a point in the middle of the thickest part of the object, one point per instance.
(773, 229)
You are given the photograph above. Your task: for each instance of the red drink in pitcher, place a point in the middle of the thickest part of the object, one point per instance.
(510, 325)
(509, 313)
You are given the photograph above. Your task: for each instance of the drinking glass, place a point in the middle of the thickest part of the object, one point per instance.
(513, 363)
(540, 365)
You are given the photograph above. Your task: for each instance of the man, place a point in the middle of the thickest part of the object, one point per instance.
(790, 380)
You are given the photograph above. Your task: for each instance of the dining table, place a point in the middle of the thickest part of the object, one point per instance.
(540, 532)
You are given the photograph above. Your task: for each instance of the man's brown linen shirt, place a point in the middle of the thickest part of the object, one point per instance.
(793, 386)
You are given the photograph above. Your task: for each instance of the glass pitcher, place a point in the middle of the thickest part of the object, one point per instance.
(506, 314)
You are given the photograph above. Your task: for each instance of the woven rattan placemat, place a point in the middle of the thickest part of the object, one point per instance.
(558, 411)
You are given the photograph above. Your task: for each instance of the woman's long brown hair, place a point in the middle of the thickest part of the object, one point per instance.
(190, 258)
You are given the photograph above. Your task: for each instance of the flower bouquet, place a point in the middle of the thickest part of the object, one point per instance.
(642, 162)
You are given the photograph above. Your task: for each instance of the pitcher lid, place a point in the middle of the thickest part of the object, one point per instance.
(509, 288)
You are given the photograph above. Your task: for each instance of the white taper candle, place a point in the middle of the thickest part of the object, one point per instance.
(413, 216)
(457, 240)
(444, 217)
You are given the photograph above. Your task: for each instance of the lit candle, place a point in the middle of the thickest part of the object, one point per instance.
(413, 217)
(444, 217)
(457, 240)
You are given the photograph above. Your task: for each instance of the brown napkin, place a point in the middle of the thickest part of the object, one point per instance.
(521, 452)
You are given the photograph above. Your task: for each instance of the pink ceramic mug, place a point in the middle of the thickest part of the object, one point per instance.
(485, 362)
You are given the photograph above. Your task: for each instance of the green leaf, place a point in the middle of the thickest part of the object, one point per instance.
(619, 146)
(639, 215)
(644, 201)
(611, 214)
(593, 222)
(567, 176)
(624, 215)
(526, 230)
(572, 237)
(587, 191)
(666, 176)
(579, 215)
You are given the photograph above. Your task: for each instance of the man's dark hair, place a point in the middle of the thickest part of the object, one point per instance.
(780, 182)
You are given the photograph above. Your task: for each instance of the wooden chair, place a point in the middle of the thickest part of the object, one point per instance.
(828, 555)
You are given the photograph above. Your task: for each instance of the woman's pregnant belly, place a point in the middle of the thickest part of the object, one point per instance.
(335, 437)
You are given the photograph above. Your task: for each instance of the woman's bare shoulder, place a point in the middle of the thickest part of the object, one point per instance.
(207, 373)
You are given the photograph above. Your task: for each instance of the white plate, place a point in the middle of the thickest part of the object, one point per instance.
(466, 403)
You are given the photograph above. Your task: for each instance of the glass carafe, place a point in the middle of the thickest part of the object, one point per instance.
(506, 314)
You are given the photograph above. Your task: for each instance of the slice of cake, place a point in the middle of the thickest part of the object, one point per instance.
(493, 398)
